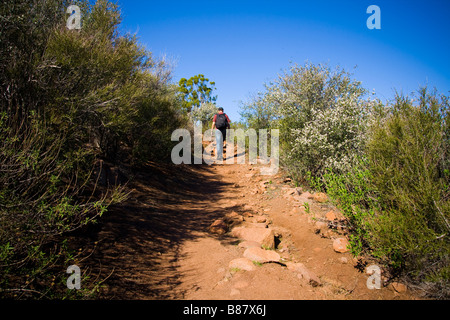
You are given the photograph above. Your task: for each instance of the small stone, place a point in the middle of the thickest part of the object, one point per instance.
(340, 245)
(242, 264)
(261, 255)
(331, 216)
(249, 244)
(307, 195)
(261, 219)
(233, 217)
(343, 260)
(218, 227)
(399, 287)
(290, 192)
(320, 226)
(264, 236)
(231, 204)
(320, 197)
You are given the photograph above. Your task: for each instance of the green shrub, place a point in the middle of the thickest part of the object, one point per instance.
(397, 199)
(356, 196)
(67, 98)
(43, 195)
(407, 154)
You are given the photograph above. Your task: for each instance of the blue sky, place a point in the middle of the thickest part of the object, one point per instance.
(243, 44)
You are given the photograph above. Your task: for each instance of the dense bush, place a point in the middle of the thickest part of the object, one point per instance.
(322, 115)
(386, 167)
(397, 200)
(204, 114)
(68, 98)
(259, 112)
(408, 158)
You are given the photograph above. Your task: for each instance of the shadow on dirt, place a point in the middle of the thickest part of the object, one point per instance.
(138, 242)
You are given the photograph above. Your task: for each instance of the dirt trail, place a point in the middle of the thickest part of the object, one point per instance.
(158, 244)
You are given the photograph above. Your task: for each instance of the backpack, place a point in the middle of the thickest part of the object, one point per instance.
(221, 121)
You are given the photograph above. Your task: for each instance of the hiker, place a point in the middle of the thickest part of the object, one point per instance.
(221, 123)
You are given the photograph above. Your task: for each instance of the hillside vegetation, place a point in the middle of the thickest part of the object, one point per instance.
(70, 101)
(385, 166)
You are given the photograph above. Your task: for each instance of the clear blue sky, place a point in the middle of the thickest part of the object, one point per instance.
(243, 44)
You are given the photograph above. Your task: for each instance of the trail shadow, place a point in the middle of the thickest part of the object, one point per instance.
(138, 242)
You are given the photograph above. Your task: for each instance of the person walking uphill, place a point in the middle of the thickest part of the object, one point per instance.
(221, 123)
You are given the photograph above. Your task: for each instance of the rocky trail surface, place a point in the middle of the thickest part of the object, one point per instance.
(226, 232)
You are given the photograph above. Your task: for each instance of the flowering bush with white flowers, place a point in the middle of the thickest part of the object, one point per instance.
(322, 115)
(333, 137)
(204, 114)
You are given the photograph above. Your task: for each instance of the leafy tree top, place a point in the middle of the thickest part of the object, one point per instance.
(195, 91)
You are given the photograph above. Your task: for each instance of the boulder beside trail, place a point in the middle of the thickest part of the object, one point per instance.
(261, 255)
(263, 236)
